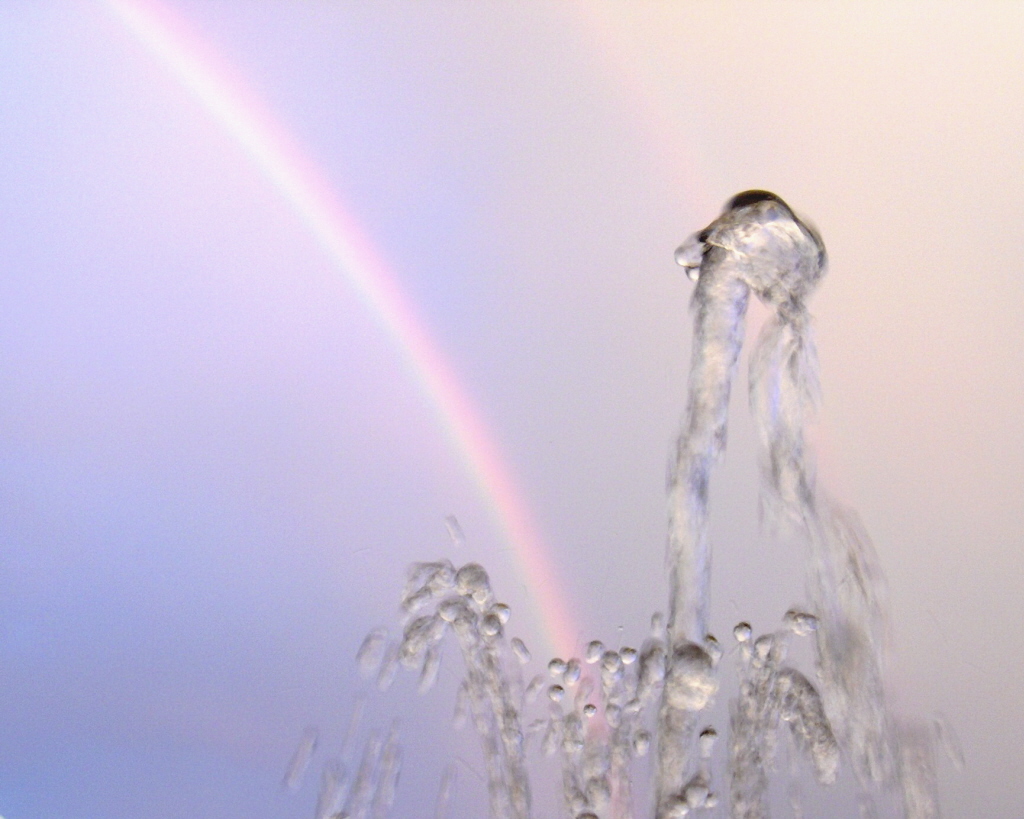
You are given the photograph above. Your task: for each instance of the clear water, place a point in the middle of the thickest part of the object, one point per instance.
(605, 710)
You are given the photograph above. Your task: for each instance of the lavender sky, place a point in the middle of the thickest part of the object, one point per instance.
(215, 465)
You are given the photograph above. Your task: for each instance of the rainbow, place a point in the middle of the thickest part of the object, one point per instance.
(223, 96)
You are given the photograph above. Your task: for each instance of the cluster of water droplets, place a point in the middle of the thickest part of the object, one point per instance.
(596, 713)
(370, 792)
(601, 712)
(772, 694)
(589, 711)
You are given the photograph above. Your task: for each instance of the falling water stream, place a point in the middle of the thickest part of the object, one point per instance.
(599, 712)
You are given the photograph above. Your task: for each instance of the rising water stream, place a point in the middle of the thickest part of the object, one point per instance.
(599, 712)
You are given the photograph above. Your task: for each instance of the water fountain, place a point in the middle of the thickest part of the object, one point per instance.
(602, 710)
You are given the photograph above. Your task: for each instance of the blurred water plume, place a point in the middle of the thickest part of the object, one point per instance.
(610, 707)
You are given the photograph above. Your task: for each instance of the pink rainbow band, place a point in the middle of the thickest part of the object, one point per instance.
(224, 97)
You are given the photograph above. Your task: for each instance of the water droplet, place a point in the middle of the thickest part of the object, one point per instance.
(428, 672)
(427, 580)
(533, 689)
(388, 773)
(552, 737)
(520, 650)
(628, 655)
(713, 648)
(502, 612)
(388, 669)
(371, 652)
(472, 581)
(652, 668)
(763, 646)
(589, 709)
(594, 651)
(454, 609)
(455, 531)
(641, 742)
(555, 693)
(800, 622)
(573, 670)
(573, 734)
(690, 681)
(742, 632)
(690, 254)
(333, 789)
(419, 635)
(707, 742)
(801, 706)
(416, 600)
(490, 626)
(300, 759)
(556, 667)
(696, 793)
(611, 662)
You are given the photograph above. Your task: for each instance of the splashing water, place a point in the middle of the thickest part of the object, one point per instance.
(599, 718)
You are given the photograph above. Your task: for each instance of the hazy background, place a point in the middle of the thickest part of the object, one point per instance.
(214, 466)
